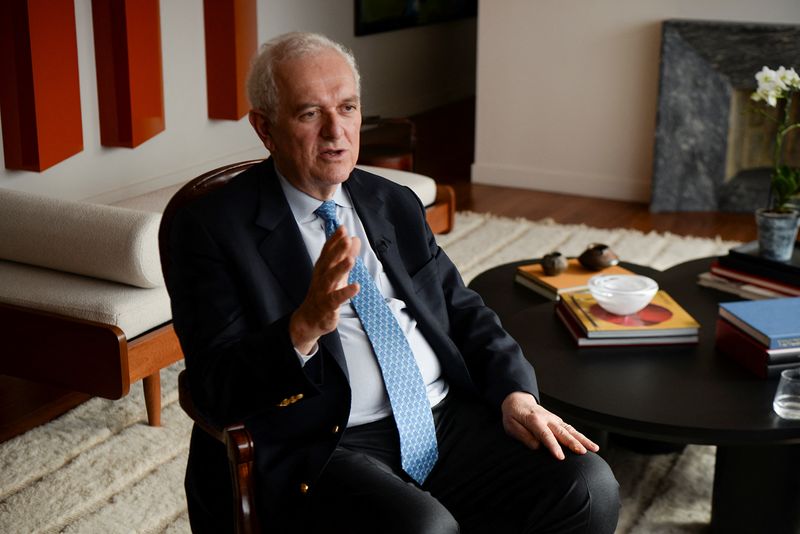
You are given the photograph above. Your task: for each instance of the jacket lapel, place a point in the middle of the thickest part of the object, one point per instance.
(380, 231)
(282, 248)
(284, 252)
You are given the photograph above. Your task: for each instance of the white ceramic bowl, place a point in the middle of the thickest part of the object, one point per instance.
(622, 294)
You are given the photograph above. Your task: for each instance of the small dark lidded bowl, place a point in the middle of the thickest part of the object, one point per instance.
(554, 263)
(597, 257)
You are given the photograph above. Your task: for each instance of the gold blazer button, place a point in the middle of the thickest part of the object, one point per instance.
(290, 400)
(303, 488)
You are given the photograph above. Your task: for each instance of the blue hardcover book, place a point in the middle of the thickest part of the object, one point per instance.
(775, 323)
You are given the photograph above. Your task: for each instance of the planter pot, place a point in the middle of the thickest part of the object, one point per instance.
(776, 234)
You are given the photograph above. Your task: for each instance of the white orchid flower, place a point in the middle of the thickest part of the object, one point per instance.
(766, 76)
(772, 99)
(779, 79)
(789, 77)
(775, 84)
(768, 95)
(770, 82)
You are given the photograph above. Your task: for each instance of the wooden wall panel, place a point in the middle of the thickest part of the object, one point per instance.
(127, 47)
(39, 87)
(231, 38)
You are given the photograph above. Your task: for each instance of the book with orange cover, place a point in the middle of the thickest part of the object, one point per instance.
(662, 317)
(574, 278)
(582, 340)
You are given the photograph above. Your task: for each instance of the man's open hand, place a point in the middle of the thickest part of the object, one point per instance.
(319, 312)
(527, 421)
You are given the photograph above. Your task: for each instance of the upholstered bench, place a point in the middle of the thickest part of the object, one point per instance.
(82, 299)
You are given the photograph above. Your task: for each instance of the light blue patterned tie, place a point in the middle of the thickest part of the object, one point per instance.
(412, 412)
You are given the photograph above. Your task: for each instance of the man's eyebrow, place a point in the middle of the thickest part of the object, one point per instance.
(355, 99)
(304, 106)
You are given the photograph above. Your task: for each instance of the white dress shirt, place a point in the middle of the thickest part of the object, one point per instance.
(370, 401)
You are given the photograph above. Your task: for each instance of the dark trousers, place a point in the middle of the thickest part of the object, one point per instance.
(484, 481)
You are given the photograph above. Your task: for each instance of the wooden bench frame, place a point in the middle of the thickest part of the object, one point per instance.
(86, 356)
(441, 214)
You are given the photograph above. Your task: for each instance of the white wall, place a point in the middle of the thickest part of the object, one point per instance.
(404, 72)
(567, 89)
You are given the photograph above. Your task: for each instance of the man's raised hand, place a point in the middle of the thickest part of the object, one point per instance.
(319, 312)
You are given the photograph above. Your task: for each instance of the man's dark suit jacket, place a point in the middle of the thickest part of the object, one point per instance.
(239, 268)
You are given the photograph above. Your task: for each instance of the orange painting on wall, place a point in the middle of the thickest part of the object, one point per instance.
(127, 48)
(39, 87)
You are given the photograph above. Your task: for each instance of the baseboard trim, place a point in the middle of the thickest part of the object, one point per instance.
(570, 183)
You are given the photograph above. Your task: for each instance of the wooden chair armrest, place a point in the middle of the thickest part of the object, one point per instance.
(241, 453)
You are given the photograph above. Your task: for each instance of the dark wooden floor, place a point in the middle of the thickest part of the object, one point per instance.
(445, 151)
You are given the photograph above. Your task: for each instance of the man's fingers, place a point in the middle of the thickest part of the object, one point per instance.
(335, 261)
(341, 295)
(335, 248)
(535, 437)
(549, 440)
(568, 436)
(524, 435)
(334, 276)
(586, 442)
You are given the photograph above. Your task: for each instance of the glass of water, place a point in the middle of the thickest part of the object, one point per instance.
(787, 396)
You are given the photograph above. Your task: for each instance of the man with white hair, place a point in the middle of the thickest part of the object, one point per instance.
(313, 303)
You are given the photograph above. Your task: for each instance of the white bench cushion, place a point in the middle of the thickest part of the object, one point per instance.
(77, 237)
(423, 186)
(133, 309)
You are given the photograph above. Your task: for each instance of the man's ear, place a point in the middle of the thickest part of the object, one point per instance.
(262, 127)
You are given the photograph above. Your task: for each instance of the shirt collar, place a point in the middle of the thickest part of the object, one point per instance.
(303, 204)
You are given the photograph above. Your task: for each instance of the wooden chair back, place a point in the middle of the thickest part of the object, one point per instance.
(195, 188)
(236, 438)
(388, 142)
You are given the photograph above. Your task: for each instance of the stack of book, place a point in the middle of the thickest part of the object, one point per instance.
(762, 335)
(744, 273)
(574, 278)
(662, 322)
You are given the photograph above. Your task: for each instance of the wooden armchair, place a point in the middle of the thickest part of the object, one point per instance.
(236, 438)
(241, 453)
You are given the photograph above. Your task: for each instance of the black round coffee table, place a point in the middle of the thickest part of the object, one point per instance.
(676, 393)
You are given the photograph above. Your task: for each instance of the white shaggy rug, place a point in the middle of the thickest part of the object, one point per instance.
(100, 469)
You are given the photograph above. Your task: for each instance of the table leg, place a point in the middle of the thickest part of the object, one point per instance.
(152, 398)
(756, 489)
